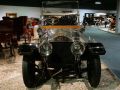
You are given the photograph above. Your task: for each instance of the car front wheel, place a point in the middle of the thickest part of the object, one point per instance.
(94, 70)
(34, 72)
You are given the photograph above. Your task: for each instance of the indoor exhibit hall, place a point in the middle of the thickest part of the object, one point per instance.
(59, 45)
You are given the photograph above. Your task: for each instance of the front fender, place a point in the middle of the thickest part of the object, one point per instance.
(27, 49)
(96, 48)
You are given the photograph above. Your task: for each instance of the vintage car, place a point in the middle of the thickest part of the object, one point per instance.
(61, 53)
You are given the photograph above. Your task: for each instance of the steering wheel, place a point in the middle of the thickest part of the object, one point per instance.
(52, 21)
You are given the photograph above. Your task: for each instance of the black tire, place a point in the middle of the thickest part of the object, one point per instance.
(33, 76)
(94, 70)
(28, 71)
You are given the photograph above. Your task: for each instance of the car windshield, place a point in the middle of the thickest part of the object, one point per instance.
(60, 19)
(55, 12)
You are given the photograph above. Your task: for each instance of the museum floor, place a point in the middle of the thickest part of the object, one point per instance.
(11, 79)
(11, 71)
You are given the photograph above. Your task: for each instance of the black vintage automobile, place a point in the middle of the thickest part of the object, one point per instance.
(60, 52)
(59, 55)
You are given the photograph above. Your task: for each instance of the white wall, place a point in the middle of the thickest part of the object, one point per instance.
(36, 11)
(20, 10)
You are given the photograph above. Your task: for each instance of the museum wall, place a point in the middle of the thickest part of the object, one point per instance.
(20, 10)
(36, 11)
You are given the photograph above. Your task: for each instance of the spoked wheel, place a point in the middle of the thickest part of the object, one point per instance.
(94, 70)
(33, 75)
(10, 54)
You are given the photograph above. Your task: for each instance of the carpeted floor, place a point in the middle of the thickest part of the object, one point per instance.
(11, 79)
(111, 43)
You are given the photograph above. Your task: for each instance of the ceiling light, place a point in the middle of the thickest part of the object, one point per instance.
(98, 2)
